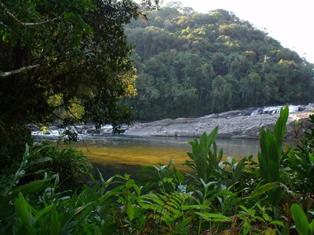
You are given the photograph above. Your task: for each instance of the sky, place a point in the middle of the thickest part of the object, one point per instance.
(288, 21)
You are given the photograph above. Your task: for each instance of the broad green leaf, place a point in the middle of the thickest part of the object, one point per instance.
(32, 187)
(300, 219)
(264, 189)
(312, 227)
(24, 211)
(280, 126)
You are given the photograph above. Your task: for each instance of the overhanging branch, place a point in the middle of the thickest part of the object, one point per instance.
(6, 10)
(16, 71)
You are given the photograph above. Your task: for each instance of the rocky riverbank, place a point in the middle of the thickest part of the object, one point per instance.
(233, 124)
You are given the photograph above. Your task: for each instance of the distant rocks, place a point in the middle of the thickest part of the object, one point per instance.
(77, 132)
(232, 124)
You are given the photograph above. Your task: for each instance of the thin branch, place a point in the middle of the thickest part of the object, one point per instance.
(6, 10)
(16, 71)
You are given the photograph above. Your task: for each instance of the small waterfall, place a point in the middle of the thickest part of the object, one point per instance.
(275, 109)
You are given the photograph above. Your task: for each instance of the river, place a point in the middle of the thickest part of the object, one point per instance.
(139, 151)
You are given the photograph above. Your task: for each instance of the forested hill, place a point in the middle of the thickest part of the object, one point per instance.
(191, 64)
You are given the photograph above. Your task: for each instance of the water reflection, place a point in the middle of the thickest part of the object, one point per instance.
(154, 150)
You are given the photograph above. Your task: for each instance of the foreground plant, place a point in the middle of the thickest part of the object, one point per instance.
(271, 154)
(301, 221)
(218, 196)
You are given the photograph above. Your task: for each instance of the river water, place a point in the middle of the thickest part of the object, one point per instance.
(139, 151)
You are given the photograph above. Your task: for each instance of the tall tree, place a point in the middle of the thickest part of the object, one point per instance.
(64, 59)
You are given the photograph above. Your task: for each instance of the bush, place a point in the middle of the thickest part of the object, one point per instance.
(71, 166)
(301, 162)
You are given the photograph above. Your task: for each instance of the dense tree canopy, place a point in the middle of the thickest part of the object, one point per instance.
(191, 64)
(72, 55)
(65, 60)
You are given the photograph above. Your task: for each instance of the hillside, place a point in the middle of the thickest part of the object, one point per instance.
(191, 64)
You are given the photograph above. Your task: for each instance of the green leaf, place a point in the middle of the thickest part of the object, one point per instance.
(42, 213)
(194, 207)
(277, 222)
(102, 180)
(261, 190)
(32, 187)
(280, 126)
(130, 212)
(41, 160)
(300, 219)
(55, 224)
(312, 227)
(213, 217)
(24, 211)
(246, 228)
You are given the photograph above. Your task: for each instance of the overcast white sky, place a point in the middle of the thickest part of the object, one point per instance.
(291, 22)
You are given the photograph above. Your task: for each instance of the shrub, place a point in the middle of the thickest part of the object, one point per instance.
(72, 167)
(301, 162)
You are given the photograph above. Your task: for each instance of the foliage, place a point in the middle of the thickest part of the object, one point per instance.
(301, 221)
(270, 156)
(65, 60)
(192, 64)
(223, 197)
(72, 166)
(75, 64)
(70, 60)
(301, 161)
(205, 156)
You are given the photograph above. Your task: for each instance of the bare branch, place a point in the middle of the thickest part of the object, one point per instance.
(6, 10)
(10, 73)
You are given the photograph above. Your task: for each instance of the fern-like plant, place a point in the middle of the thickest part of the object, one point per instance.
(167, 209)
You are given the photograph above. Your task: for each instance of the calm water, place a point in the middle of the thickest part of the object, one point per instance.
(134, 151)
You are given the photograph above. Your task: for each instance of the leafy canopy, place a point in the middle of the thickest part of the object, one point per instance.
(65, 59)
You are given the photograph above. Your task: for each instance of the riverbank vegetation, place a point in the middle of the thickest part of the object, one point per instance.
(270, 194)
(191, 64)
(70, 61)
